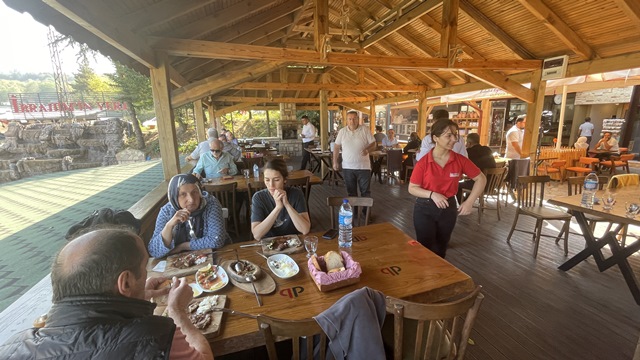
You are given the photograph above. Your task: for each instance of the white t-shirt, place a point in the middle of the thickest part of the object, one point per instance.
(586, 129)
(352, 144)
(613, 142)
(309, 132)
(514, 134)
(427, 145)
(387, 142)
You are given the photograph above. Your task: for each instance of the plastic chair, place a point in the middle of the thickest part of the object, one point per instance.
(442, 331)
(530, 190)
(226, 195)
(305, 330)
(334, 203)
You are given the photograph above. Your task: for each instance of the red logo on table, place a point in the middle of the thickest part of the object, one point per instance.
(413, 243)
(391, 270)
(292, 292)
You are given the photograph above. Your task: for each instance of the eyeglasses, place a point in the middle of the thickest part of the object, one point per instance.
(216, 150)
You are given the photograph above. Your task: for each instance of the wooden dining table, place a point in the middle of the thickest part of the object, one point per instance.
(619, 254)
(392, 262)
(243, 182)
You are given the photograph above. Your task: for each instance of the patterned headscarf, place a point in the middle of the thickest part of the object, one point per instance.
(181, 231)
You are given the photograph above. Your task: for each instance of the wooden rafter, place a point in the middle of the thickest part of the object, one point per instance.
(502, 82)
(210, 49)
(552, 21)
(632, 9)
(311, 100)
(437, 27)
(329, 86)
(162, 12)
(401, 22)
(449, 33)
(497, 32)
(321, 24)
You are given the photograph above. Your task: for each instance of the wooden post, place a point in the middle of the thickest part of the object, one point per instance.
(422, 115)
(534, 115)
(212, 117)
(344, 116)
(324, 121)
(160, 87)
(561, 121)
(201, 127)
(484, 121)
(372, 117)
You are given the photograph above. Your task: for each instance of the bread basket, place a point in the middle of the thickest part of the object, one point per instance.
(331, 281)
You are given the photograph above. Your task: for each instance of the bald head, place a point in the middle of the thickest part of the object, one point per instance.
(92, 263)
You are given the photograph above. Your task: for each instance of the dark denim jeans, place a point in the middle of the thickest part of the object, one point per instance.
(306, 157)
(357, 179)
(434, 225)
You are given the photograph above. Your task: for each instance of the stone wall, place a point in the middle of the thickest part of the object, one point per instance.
(44, 148)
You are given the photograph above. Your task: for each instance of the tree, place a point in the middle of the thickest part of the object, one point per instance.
(135, 90)
(87, 81)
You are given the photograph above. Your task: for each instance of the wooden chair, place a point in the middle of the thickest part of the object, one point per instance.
(616, 182)
(446, 327)
(302, 184)
(226, 195)
(334, 203)
(585, 166)
(409, 168)
(249, 162)
(555, 167)
(297, 330)
(495, 180)
(530, 197)
(575, 185)
(392, 164)
(619, 162)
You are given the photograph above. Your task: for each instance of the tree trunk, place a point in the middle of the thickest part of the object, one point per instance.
(136, 126)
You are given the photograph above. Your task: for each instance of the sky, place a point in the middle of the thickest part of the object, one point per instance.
(24, 47)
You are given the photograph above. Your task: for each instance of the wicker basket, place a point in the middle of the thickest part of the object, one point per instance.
(327, 282)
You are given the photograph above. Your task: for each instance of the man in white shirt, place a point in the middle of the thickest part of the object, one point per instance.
(203, 147)
(308, 135)
(514, 137)
(607, 143)
(356, 142)
(586, 129)
(427, 143)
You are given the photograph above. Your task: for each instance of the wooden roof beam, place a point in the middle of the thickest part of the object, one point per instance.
(430, 75)
(632, 9)
(221, 81)
(449, 34)
(232, 108)
(328, 87)
(213, 50)
(559, 27)
(392, 12)
(437, 27)
(321, 24)
(502, 82)
(401, 22)
(290, 100)
(482, 20)
(161, 12)
(297, 16)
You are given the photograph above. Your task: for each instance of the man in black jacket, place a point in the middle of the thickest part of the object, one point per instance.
(100, 308)
(480, 155)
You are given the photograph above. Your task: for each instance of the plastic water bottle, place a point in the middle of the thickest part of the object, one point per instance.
(256, 171)
(589, 190)
(345, 219)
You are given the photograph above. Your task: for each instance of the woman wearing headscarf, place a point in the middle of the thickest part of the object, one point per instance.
(581, 143)
(191, 220)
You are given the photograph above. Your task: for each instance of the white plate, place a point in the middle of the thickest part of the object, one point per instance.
(197, 290)
(222, 275)
(288, 267)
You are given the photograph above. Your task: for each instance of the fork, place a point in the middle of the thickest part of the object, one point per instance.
(192, 234)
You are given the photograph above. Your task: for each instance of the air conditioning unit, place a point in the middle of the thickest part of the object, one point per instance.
(555, 67)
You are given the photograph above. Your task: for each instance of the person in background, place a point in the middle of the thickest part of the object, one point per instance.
(514, 137)
(230, 148)
(216, 163)
(428, 144)
(481, 156)
(607, 143)
(581, 143)
(586, 129)
(101, 307)
(412, 144)
(379, 135)
(191, 220)
(435, 183)
(390, 141)
(278, 210)
(355, 142)
(308, 135)
(231, 138)
(203, 147)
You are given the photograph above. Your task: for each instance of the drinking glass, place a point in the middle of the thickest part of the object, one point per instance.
(632, 209)
(311, 245)
(246, 173)
(608, 199)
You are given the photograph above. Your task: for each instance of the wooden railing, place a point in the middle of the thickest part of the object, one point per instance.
(571, 155)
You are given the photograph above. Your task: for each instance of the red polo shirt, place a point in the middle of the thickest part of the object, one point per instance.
(443, 180)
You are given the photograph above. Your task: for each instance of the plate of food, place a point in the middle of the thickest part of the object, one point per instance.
(187, 263)
(287, 244)
(283, 266)
(242, 270)
(212, 278)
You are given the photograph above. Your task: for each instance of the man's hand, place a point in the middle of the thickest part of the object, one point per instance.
(197, 175)
(364, 152)
(189, 158)
(152, 290)
(180, 295)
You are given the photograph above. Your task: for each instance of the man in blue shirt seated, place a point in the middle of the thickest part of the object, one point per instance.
(215, 163)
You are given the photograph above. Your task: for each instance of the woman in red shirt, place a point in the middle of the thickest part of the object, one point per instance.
(435, 182)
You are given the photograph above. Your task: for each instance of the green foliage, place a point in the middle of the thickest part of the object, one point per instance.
(188, 146)
(133, 87)
(87, 81)
(314, 116)
(250, 124)
(45, 84)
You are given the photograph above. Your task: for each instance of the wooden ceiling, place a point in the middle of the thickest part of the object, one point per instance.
(240, 54)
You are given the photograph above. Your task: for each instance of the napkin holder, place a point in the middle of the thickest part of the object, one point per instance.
(335, 280)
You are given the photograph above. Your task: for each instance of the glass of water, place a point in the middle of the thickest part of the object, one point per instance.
(311, 245)
(632, 209)
(608, 199)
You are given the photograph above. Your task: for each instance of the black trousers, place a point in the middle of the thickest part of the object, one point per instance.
(305, 154)
(434, 225)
